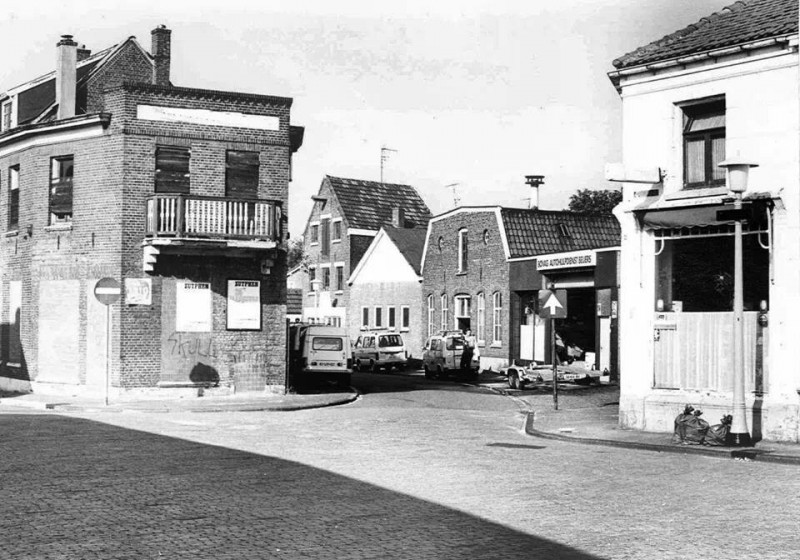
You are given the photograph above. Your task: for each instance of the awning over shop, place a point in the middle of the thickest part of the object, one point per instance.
(676, 214)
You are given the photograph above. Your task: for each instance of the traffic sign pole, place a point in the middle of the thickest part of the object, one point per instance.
(553, 356)
(107, 291)
(108, 353)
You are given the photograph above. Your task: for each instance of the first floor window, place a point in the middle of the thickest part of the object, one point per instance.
(463, 250)
(378, 317)
(172, 169)
(339, 278)
(61, 173)
(315, 233)
(431, 315)
(337, 231)
(392, 317)
(481, 330)
(497, 315)
(443, 325)
(704, 143)
(241, 174)
(312, 275)
(405, 319)
(326, 278)
(13, 197)
(365, 317)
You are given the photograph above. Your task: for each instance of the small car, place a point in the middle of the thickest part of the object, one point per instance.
(521, 373)
(374, 351)
(441, 355)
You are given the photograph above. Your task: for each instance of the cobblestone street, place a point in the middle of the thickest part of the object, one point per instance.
(413, 469)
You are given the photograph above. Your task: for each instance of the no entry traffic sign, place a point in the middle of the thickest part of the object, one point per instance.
(107, 291)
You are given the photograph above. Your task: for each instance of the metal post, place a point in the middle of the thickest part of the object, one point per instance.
(108, 352)
(554, 358)
(739, 435)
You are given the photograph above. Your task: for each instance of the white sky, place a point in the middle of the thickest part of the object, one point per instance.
(479, 93)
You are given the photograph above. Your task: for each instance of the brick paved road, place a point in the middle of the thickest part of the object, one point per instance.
(412, 470)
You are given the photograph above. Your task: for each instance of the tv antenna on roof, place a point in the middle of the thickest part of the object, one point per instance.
(456, 198)
(385, 153)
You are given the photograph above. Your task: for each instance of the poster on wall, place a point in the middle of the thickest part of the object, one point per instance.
(192, 306)
(244, 305)
(138, 291)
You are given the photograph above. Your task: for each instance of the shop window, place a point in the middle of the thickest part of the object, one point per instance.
(241, 174)
(696, 274)
(13, 197)
(463, 250)
(431, 315)
(61, 172)
(172, 170)
(497, 315)
(703, 144)
(481, 330)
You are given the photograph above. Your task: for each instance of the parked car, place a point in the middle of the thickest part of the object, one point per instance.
(441, 355)
(521, 373)
(318, 354)
(376, 350)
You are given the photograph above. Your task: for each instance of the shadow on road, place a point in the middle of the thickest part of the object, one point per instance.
(75, 488)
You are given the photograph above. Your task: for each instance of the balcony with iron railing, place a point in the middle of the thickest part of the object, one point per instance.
(188, 217)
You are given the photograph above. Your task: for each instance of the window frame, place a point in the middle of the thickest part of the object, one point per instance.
(481, 319)
(314, 233)
(378, 317)
(326, 279)
(431, 314)
(690, 112)
(497, 318)
(405, 317)
(336, 231)
(463, 250)
(13, 197)
(365, 317)
(172, 181)
(247, 171)
(7, 116)
(339, 278)
(63, 182)
(391, 317)
(444, 312)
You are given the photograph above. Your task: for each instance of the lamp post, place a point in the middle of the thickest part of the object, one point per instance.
(737, 171)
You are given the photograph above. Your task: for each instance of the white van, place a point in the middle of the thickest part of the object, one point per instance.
(318, 353)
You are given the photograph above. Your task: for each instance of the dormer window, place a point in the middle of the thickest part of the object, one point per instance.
(7, 121)
(703, 144)
(563, 231)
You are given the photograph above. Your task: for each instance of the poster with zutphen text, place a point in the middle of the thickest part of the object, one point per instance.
(193, 306)
(244, 304)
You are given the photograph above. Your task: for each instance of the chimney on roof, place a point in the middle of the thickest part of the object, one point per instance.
(66, 61)
(161, 51)
(535, 181)
(398, 217)
(83, 53)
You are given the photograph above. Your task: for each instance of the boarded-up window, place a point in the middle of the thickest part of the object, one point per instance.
(61, 172)
(172, 170)
(241, 174)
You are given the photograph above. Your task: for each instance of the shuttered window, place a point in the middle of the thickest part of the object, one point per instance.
(172, 170)
(241, 174)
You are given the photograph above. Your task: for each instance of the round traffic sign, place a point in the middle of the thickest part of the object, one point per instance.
(107, 291)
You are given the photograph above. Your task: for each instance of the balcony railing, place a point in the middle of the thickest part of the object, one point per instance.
(185, 216)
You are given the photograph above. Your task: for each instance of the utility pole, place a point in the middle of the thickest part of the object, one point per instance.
(385, 153)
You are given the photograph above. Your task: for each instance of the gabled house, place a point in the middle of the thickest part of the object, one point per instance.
(484, 266)
(346, 216)
(108, 170)
(386, 286)
(724, 88)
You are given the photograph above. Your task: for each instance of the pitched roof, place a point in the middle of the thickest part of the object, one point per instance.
(410, 242)
(742, 22)
(294, 301)
(541, 232)
(368, 204)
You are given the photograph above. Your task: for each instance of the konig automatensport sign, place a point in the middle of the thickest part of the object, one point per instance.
(575, 259)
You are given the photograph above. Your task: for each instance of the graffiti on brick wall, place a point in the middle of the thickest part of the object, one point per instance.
(189, 345)
(205, 359)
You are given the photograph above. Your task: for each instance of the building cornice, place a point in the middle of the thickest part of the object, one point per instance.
(75, 128)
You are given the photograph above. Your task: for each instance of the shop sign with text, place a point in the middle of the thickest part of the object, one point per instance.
(574, 259)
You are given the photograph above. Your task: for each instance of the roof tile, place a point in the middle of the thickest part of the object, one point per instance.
(369, 204)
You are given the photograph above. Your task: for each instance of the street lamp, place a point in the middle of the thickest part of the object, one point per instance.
(738, 171)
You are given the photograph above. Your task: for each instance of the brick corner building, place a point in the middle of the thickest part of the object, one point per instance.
(109, 170)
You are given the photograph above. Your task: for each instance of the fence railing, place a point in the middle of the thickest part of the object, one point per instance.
(178, 215)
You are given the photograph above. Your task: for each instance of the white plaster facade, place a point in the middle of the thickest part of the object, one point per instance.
(760, 86)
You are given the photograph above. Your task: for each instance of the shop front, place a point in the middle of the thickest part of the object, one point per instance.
(587, 336)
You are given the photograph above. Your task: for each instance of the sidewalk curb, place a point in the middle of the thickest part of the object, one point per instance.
(170, 407)
(748, 453)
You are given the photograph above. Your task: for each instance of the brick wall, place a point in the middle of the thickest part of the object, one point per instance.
(129, 64)
(487, 273)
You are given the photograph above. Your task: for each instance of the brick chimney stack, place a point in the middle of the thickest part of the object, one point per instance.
(161, 51)
(398, 217)
(66, 78)
(83, 53)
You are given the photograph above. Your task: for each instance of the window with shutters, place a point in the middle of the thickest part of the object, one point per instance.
(172, 170)
(241, 174)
